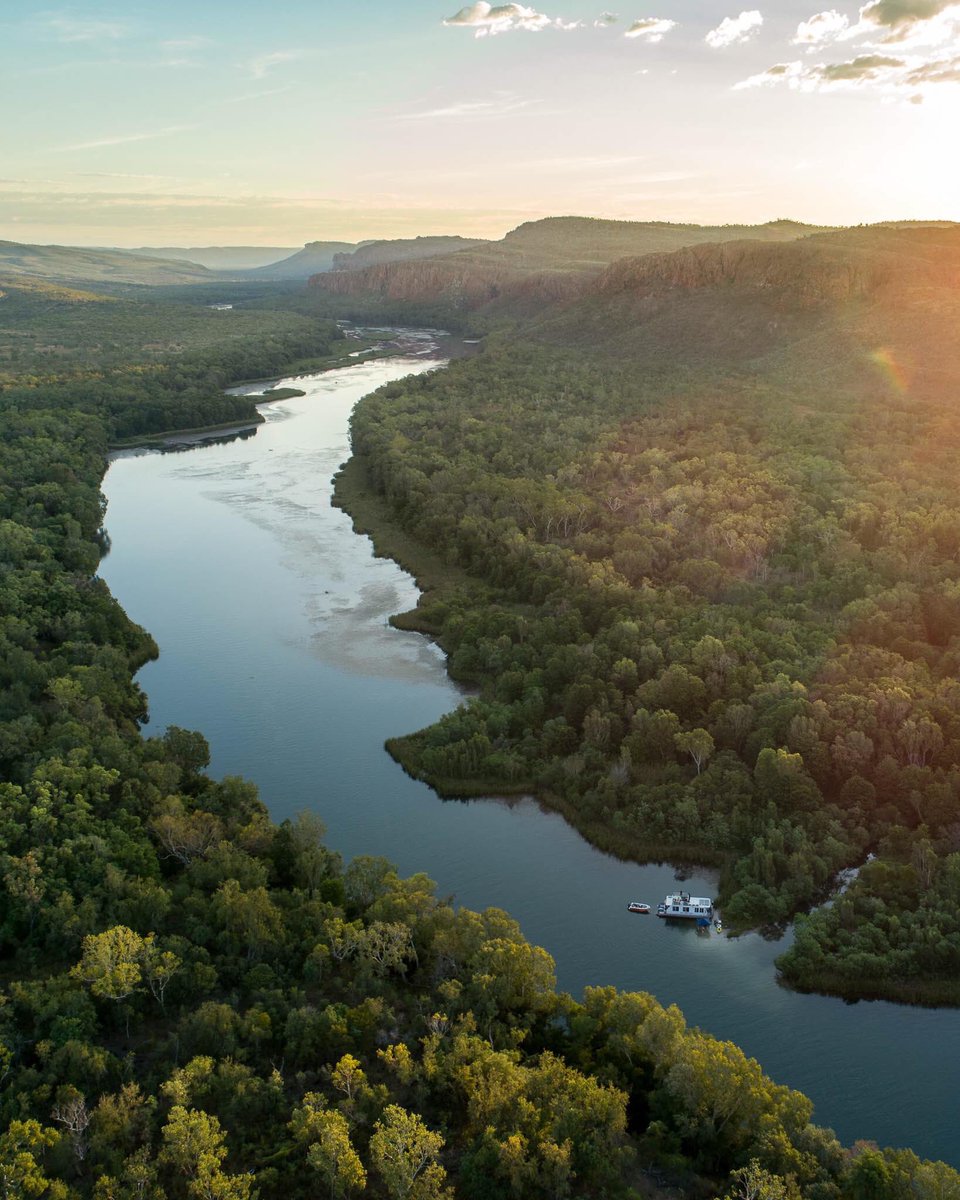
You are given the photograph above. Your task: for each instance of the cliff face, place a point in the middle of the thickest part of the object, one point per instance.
(727, 300)
(821, 269)
(462, 286)
(538, 263)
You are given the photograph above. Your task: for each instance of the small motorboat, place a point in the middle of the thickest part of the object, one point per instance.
(636, 907)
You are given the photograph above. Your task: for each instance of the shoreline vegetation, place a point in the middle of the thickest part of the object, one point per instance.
(436, 580)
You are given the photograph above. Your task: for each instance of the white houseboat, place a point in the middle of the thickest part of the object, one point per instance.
(687, 907)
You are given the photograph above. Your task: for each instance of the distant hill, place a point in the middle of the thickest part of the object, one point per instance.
(25, 289)
(535, 264)
(370, 254)
(313, 259)
(83, 265)
(221, 258)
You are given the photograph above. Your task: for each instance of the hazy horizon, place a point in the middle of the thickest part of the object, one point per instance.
(223, 124)
(133, 244)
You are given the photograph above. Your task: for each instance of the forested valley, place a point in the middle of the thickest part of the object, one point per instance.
(689, 612)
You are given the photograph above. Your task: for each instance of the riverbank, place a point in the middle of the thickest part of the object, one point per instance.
(370, 514)
(923, 993)
(437, 580)
(195, 435)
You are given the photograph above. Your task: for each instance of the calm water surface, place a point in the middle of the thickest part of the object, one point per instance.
(271, 616)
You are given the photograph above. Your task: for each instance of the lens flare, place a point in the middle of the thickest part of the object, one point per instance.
(891, 368)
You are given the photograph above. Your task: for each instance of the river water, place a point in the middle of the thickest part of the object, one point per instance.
(271, 617)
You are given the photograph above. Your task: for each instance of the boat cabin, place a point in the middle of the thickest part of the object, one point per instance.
(682, 904)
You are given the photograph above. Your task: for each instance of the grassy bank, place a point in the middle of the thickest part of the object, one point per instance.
(435, 577)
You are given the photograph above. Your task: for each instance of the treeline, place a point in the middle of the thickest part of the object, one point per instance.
(716, 619)
(183, 391)
(49, 333)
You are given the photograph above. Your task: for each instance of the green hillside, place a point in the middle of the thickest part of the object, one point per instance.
(78, 264)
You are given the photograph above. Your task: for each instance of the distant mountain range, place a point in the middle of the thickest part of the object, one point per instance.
(534, 265)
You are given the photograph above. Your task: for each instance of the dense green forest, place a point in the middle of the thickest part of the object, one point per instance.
(711, 515)
(195, 1002)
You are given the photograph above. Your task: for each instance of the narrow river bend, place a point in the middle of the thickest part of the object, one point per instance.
(271, 617)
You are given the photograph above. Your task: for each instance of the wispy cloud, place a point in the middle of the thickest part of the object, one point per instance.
(67, 28)
(733, 30)
(186, 43)
(500, 106)
(582, 162)
(605, 18)
(261, 95)
(260, 66)
(487, 20)
(650, 29)
(124, 138)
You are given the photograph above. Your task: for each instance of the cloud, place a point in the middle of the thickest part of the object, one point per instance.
(732, 30)
(500, 106)
(946, 70)
(821, 28)
(895, 14)
(488, 20)
(898, 76)
(73, 29)
(605, 18)
(187, 43)
(650, 29)
(865, 68)
(261, 65)
(123, 138)
(790, 72)
(911, 23)
(261, 95)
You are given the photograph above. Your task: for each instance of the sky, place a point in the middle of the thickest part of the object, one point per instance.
(203, 122)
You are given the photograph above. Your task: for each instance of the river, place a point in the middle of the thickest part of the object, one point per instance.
(271, 617)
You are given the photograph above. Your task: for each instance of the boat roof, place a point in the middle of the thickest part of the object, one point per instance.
(684, 898)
